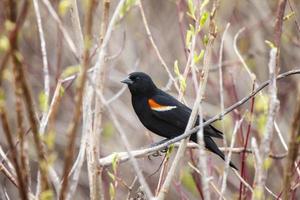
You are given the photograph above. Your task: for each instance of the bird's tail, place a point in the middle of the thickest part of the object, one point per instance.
(212, 146)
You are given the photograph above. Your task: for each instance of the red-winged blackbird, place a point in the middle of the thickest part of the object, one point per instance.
(163, 114)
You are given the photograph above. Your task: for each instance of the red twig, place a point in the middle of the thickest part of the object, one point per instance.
(243, 169)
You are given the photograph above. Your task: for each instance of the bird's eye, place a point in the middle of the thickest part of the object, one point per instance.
(137, 78)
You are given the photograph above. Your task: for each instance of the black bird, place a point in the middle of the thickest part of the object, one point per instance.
(163, 114)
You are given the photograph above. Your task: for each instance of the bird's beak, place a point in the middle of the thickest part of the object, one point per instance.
(127, 81)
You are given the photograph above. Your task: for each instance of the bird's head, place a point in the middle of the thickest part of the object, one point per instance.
(140, 83)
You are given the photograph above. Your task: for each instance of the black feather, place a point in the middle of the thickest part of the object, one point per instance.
(168, 123)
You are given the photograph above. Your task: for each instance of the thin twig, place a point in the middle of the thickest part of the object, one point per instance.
(222, 101)
(273, 108)
(62, 28)
(142, 153)
(293, 150)
(228, 158)
(98, 79)
(125, 141)
(46, 77)
(69, 152)
(163, 63)
(9, 175)
(7, 130)
(253, 78)
(29, 102)
(164, 167)
(94, 137)
(45, 63)
(210, 181)
(77, 166)
(24, 160)
(258, 162)
(78, 34)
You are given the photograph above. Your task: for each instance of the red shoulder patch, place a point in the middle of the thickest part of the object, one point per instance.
(153, 104)
(157, 107)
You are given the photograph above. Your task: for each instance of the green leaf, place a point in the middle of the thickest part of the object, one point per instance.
(9, 25)
(270, 44)
(191, 9)
(261, 123)
(261, 103)
(112, 191)
(192, 28)
(267, 163)
(111, 175)
(250, 161)
(204, 18)
(188, 38)
(88, 42)
(43, 101)
(51, 158)
(71, 70)
(201, 54)
(126, 7)
(49, 139)
(198, 58)
(170, 149)
(182, 81)
(19, 56)
(2, 97)
(115, 162)
(176, 68)
(4, 43)
(189, 34)
(64, 6)
(61, 91)
(258, 193)
(108, 130)
(187, 180)
(205, 39)
(298, 139)
(47, 195)
(289, 16)
(8, 75)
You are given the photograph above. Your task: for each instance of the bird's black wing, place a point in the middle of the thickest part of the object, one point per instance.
(177, 114)
(171, 110)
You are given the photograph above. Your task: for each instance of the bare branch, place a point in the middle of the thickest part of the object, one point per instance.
(126, 144)
(62, 28)
(155, 47)
(265, 145)
(293, 150)
(69, 152)
(7, 130)
(225, 175)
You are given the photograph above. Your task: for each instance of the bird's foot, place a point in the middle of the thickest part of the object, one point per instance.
(159, 152)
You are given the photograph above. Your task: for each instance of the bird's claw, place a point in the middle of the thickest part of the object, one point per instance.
(165, 150)
(158, 153)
